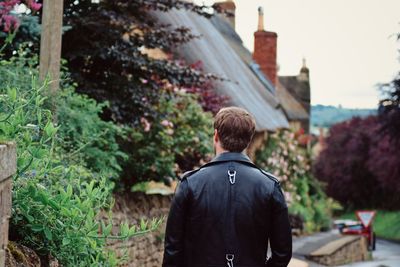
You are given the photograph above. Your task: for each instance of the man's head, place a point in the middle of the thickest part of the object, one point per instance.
(234, 128)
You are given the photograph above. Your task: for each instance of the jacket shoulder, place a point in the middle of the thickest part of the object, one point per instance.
(270, 176)
(188, 174)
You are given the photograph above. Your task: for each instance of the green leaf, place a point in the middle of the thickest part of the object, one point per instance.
(66, 241)
(48, 234)
(132, 230)
(124, 229)
(12, 93)
(107, 230)
(143, 225)
(69, 190)
(50, 129)
(37, 227)
(30, 218)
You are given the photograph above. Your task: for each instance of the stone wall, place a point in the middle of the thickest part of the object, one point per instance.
(7, 169)
(147, 250)
(345, 250)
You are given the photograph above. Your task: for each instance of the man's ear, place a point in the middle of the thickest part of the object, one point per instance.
(216, 137)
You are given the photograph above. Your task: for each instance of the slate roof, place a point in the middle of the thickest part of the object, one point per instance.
(293, 109)
(236, 43)
(217, 55)
(298, 89)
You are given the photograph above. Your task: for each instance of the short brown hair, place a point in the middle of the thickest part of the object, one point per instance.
(235, 127)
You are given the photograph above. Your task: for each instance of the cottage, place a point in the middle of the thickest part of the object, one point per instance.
(252, 78)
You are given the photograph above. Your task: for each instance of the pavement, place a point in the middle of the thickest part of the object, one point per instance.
(387, 254)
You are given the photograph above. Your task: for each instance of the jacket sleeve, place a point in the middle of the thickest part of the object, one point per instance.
(281, 233)
(175, 231)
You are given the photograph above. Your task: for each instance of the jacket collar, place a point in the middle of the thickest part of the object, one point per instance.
(232, 156)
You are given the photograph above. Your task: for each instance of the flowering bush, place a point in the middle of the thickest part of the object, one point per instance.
(290, 163)
(176, 140)
(9, 18)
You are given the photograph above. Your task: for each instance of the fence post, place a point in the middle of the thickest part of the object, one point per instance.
(8, 167)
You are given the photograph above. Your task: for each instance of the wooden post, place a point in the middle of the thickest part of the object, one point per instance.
(8, 167)
(50, 44)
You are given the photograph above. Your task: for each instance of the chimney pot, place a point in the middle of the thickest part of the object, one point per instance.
(265, 49)
(228, 6)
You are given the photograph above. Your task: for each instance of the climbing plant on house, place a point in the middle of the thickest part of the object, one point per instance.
(290, 163)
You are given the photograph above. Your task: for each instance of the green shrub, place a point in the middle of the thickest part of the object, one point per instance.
(56, 201)
(85, 137)
(88, 138)
(176, 139)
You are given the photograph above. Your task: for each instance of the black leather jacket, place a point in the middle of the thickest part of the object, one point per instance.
(219, 219)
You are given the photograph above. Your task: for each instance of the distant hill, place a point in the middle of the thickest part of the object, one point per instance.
(326, 116)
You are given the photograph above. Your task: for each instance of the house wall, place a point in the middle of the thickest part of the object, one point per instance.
(295, 125)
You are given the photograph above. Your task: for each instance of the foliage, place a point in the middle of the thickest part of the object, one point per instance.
(386, 223)
(287, 160)
(326, 116)
(86, 138)
(178, 139)
(389, 109)
(27, 34)
(9, 18)
(141, 89)
(207, 97)
(118, 67)
(360, 165)
(56, 202)
(18, 26)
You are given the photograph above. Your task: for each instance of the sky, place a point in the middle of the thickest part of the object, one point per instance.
(350, 46)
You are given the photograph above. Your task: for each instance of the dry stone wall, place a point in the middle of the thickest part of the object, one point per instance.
(346, 250)
(147, 250)
(7, 170)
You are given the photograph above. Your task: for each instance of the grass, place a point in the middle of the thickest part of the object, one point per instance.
(386, 223)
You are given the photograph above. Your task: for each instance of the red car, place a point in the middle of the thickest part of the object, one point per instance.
(359, 229)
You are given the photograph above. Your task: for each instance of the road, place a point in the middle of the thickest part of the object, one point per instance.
(387, 254)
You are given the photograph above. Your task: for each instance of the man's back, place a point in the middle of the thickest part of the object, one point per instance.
(225, 213)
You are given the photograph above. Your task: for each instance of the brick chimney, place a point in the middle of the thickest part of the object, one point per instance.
(265, 45)
(229, 7)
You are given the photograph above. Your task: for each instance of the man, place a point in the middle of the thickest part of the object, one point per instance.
(224, 213)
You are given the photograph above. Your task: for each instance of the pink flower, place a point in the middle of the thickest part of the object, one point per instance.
(165, 123)
(146, 124)
(10, 23)
(32, 4)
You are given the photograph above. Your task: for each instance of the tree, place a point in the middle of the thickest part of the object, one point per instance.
(109, 48)
(107, 51)
(359, 165)
(389, 109)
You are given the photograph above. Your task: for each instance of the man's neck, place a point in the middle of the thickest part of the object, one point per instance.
(220, 150)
